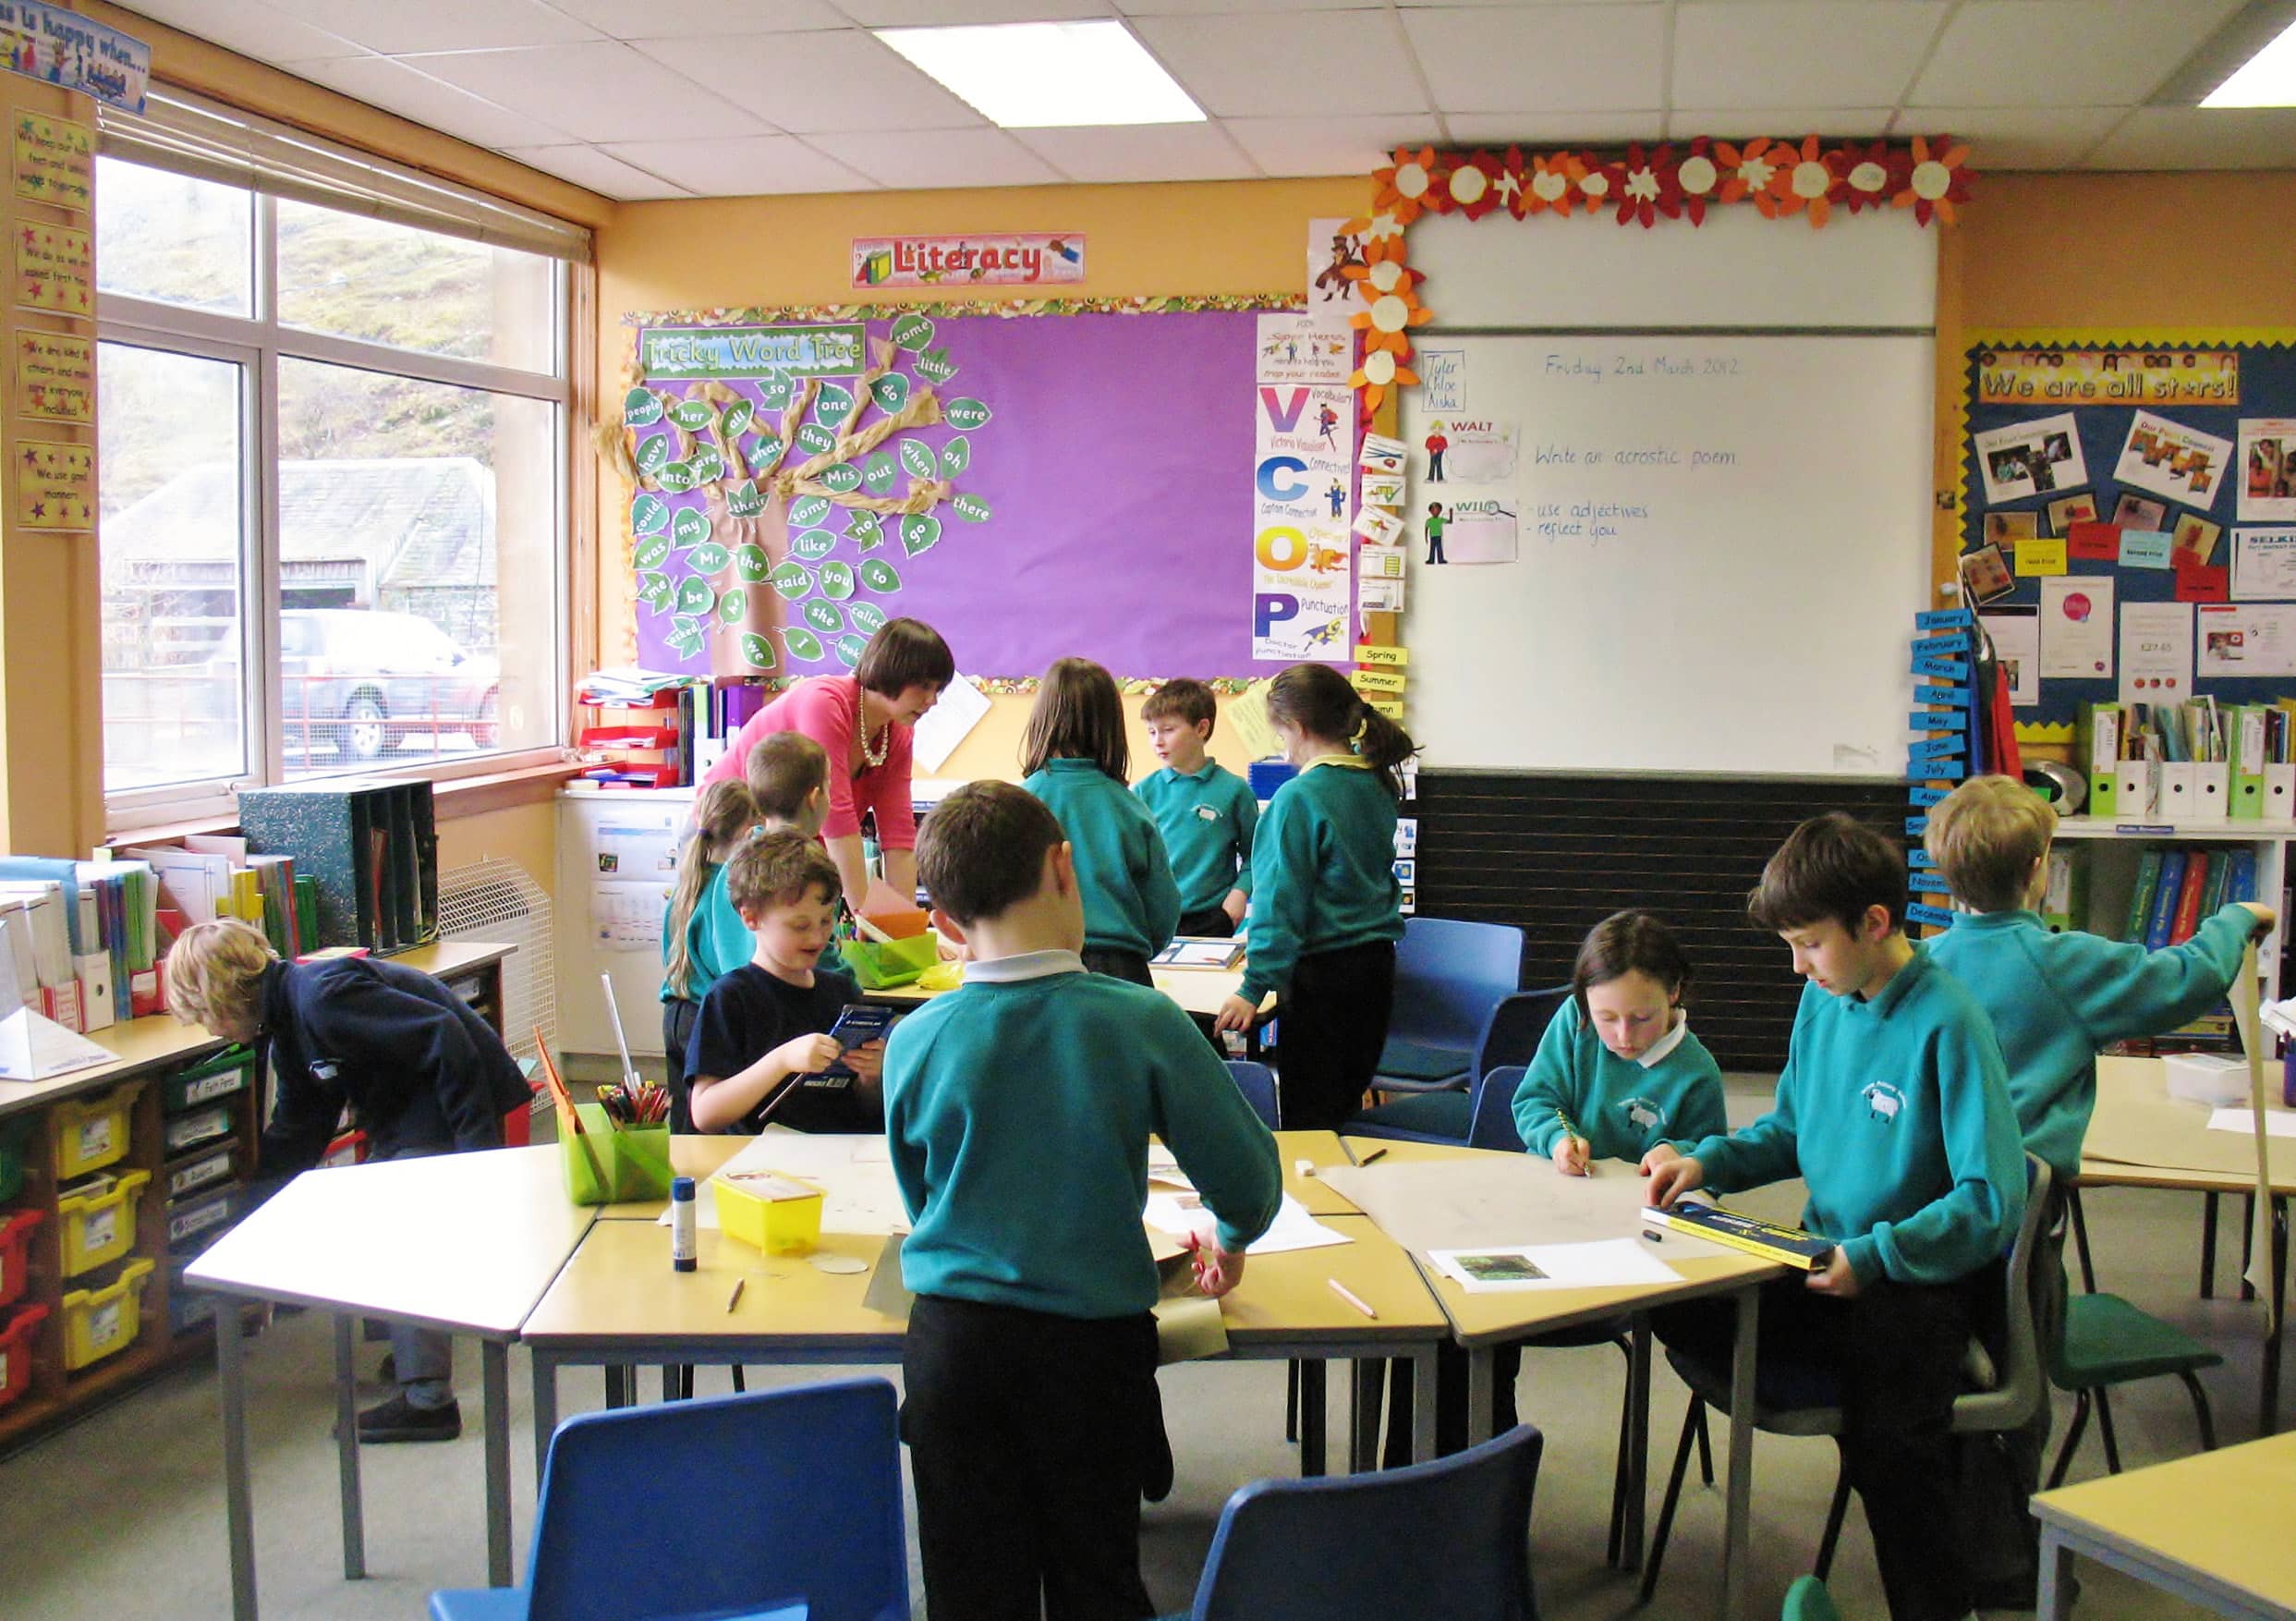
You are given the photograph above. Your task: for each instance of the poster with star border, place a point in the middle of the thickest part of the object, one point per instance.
(56, 485)
(55, 269)
(55, 377)
(54, 161)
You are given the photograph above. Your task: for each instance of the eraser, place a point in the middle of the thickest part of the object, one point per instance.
(1305, 1167)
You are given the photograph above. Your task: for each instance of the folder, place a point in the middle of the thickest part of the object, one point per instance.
(2136, 789)
(2211, 790)
(2180, 791)
(2245, 802)
(2101, 726)
(2279, 791)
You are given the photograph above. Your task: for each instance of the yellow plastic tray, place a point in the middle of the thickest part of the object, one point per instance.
(99, 1225)
(102, 1322)
(91, 1135)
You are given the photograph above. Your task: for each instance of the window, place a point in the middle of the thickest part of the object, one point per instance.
(332, 451)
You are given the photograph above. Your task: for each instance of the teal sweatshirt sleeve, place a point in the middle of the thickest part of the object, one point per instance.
(1283, 862)
(1762, 1152)
(1158, 890)
(2120, 991)
(1700, 1110)
(1550, 1088)
(1212, 1132)
(1246, 817)
(1974, 1221)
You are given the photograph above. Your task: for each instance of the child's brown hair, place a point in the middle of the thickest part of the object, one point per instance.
(1186, 701)
(723, 814)
(1078, 715)
(1627, 943)
(1986, 834)
(784, 770)
(778, 869)
(1831, 866)
(981, 850)
(1318, 700)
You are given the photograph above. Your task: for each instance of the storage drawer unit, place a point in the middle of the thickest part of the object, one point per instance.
(98, 1220)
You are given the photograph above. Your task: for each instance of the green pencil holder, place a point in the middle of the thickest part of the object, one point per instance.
(635, 1160)
(883, 965)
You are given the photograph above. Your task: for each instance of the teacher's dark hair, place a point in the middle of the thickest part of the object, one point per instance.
(904, 653)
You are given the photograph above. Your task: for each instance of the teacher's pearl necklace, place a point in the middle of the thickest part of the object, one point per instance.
(870, 759)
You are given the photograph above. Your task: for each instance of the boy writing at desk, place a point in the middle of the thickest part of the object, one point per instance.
(1894, 1109)
(1018, 1110)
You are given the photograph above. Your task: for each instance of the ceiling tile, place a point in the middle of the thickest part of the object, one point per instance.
(250, 28)
(586, 166)
(2063, 52)
(746, 166)
(439, 25)
(1863, 53)
(383, 82)
(1603, 128)
(1334, 63)
(1139, 151)
(2200, 138)
(602, 91)
(1785, 123)
(943, 13)
(1556, 59)
(1328, 146)
(1226, 7)
(912, 160)
(684, 19)
(810, 82)
(2014, 138)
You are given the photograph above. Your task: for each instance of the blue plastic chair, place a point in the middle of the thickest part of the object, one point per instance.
(786, 1501)
(1509, 1037)
(1257, 1083)
(1448, 975)
(1328, 1549)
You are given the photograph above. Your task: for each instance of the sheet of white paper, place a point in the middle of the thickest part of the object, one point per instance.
(959, 710)
(1491, 1202)
(2156, 653)
(1294, 1228)
(2171, 459)
(628, 917)
(1605, 1263)
(2276, 1122)
(2267, 471)
(2017, 643)
(2077, 625)
(2245, 639)
(2264, 565)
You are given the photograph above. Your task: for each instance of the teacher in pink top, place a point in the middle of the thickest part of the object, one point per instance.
(862, 721)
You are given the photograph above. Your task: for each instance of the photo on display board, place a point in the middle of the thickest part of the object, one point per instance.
(2038, 457)
(2073, 509)
(2171, 459)
(1984, 574)
(2195, 538)
(2005, 529)
(2268, 468)
(2136, 512)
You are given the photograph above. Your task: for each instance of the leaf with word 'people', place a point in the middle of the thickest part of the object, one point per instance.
(641, 407)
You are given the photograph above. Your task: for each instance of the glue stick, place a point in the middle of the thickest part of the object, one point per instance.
(682, 1249)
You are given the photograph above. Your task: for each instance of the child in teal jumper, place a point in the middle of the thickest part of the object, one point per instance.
(2054, 999)
(1325, 903)
(1894, 1109)
(1018, 1110)
(1204, 812)
(1075, 758)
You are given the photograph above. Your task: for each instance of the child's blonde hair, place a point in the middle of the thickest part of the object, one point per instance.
(1985, 835)
(723, 816)
(784, 770)
(215, 975)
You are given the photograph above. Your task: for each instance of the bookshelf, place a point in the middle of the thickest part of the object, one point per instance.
(2111, 852)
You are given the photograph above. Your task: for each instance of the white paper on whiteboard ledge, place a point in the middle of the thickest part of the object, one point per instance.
(1294, 1228)
(944, 726)
(2276, 1122)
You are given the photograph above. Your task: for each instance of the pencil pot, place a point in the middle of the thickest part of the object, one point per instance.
(881, 965)
(634, 1162)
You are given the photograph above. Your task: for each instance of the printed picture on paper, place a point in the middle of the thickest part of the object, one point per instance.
(2170, 460)
(2136, 512)
(1332, 250)
(2195, 538)
(2016, 636)
(1984, 574)
(2038, 457)
(2005, 529)
(2268, 469)
(2073, 509)
(1472, 531)
(1315, 347)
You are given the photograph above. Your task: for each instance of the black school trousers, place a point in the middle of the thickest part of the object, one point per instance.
(1212, 923)
(1027, 1435)
(678, 1015)
(1332, 1024)
(1118, 965)
(1895, 1352)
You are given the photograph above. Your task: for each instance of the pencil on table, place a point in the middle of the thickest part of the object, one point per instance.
(1353, 1299)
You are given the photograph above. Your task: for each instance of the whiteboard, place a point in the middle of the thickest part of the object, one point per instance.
(1719, 539)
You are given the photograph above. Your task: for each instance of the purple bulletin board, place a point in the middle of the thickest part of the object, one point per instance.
(1116, 465)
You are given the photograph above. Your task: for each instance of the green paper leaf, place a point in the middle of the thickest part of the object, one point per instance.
(802, 643)
(745, 500)
(653, 453)
(833, 404)
(693, 415)
(808, 510)
(912, 331)
(971, 508)
(708, 464)
(816, 440)
(757, 651)
(845, 478)
(648, 514)
(837, 580)
(813, 543)
(956, 457)
(749, 563)
(691, 527)
(654, 590)
(934, 366)
(880, 576)
(731, 605)
(737, 420)
(696, 596)
(677, 478)
(825, 618)
(641, 407)
(890, 392)
(652, 552)
(764, 453)
(867, 617)
(878, 472)
(849, 649)
(708, 558)
(774, 392)
(866, 527)
(793, 579)
(918, 459)
(684, 638)
(966, 414)
(920, 533)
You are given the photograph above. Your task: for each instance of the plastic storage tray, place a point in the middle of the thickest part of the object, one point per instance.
(98, 1220)
(15, 1148)
(202, 1168)
(187, 1307)
(93, 1134)
(180, 1132)
(15, 1352)
(204, 1083)
(194, 1224)
(16, 1234)
(102, 1322)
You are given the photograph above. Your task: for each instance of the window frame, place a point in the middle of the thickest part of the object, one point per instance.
(260, 344)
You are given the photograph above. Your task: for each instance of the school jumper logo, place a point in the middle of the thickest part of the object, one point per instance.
(1883, 1101)
(1643, 1114)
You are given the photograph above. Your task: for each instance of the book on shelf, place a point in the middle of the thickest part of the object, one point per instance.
(2165, 896)
(1788, 1246)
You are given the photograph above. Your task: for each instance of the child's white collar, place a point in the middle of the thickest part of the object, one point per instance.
(1667, 1043)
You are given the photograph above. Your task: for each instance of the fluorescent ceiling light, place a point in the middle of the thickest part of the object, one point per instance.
(1041, 74)
(2267, 80)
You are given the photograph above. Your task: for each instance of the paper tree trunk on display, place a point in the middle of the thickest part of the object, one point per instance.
(33, 1048)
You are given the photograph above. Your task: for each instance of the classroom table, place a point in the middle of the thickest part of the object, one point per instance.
(2140, 1136)
(466, 1243)
(1482, 1321)
(2210, 1528)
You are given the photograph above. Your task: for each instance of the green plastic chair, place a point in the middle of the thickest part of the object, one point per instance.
(2104, 1342)
(1807, 1600)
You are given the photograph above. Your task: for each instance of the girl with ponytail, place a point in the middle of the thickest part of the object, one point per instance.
(1324, 915)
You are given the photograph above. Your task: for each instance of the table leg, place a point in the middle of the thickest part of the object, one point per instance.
(2207, 1246)
(1737, 1526)
(1362, 1437)
(239, 1510)
(1423, 1405)
(495, 1363)
(2056, 1592)
(2269, 1422)
(1637, 1445)
(1478, 1395)
(545, 1412)
(1311, 1417)
(346, 1447)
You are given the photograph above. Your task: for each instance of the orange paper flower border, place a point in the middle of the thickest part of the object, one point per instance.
(1672, 182)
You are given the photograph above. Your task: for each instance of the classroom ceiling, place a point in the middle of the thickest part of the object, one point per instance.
(711, 98)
